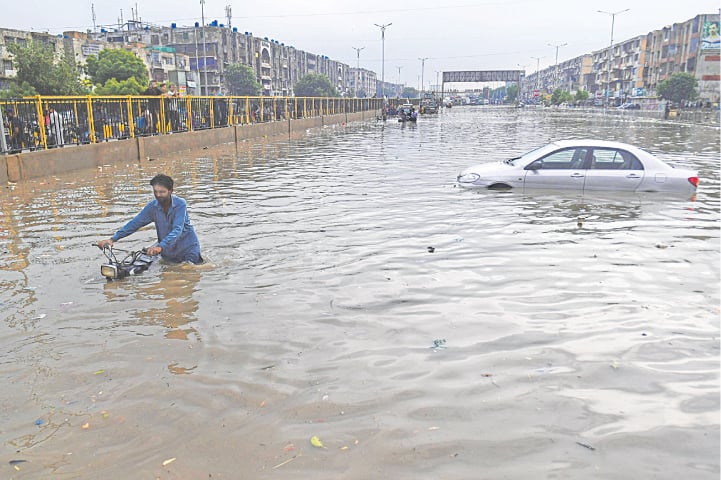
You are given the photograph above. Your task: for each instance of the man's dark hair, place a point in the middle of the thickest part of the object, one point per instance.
(163, 180)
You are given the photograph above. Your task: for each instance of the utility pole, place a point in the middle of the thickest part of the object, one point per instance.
(205, 51)
(383, 65)
(423, 66)
(228, 15)
(555, 73)
(610, 49)
(383, 60)
(399, 81)
(538, 63)
(357, 68)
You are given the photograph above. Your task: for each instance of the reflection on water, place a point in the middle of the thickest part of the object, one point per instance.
(580, 331)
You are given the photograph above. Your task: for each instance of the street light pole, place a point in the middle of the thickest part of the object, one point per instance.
(538, 63)
(610, 48)
(357, 68)
(555, 73)
(205, 51)
(383, 60)
(423, 66)
(399, 81)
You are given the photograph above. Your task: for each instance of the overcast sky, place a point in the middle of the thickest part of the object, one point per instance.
(452, 35)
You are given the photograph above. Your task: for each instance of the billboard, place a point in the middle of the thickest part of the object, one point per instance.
(710, 39)
(483, 76)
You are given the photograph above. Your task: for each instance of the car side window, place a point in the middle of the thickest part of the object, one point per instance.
(630, 162)
(613, 159)
(565, 159)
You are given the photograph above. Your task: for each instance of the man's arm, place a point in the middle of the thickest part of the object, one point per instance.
(141, 219)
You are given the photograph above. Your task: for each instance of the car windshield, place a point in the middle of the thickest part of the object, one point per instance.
(535, 153)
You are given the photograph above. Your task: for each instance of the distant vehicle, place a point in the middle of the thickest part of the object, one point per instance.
(428, 105)
(407, 113)
(629, 106)
(582, 165)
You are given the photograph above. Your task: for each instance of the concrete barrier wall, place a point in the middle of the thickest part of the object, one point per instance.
(24, 166)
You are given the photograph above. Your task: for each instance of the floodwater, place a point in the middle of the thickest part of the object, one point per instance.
(545, 336)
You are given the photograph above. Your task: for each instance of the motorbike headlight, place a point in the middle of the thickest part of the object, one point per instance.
(109, 271)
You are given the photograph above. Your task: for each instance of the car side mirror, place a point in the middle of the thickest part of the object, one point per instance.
(537, 165)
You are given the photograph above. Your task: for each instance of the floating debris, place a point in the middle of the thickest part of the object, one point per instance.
(431, 249)
(585, 445)
(315, 441)
(439, 343)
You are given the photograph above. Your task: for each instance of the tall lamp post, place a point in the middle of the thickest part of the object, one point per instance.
(399, 81)
(538, 63)
(555, 72)
(423, 66)
(383, 61)
(357, 68)
(610, 48)
(205, 51)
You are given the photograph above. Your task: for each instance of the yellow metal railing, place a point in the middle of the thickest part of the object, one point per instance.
(44, 122)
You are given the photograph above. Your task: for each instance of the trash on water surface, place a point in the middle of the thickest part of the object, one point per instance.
(315, 441)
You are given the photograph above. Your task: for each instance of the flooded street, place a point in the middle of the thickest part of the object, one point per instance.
(353, 293)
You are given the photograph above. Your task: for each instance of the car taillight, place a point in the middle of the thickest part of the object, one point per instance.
(693, 181)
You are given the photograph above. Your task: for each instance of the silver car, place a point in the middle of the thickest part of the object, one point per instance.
(582, 165)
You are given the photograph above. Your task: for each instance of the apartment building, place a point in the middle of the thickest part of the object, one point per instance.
(635, 67)
(9, 36)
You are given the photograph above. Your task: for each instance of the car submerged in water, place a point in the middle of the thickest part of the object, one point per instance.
(582, 165)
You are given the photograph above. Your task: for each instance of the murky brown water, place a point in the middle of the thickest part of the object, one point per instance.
(547, 336)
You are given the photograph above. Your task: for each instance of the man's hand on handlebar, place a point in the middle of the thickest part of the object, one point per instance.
(154, 250)
(105, 243)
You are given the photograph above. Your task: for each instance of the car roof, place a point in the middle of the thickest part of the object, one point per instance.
(590, 142)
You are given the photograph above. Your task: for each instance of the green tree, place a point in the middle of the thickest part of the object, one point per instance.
(118, 64)
(559, 96)
(512, 93)
(315, 85)
(679, 87)
(36, 65)
(131, 86)
(581, 96)
(409, 92)
(18, 90)
(240, 80)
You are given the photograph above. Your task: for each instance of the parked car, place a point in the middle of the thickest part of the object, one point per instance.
(582, 165)
(629, 106)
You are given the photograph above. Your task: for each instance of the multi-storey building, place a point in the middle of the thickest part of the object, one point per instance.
(635, 67)
(363, 82)
(9, 36)
(198, 56)
(681, 48)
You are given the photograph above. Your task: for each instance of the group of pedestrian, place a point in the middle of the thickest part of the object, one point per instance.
(148, 122)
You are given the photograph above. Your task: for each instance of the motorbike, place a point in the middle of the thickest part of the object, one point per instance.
(134, 263)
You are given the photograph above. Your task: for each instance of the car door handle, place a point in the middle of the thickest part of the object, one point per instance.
(633, 175)
(577, 175)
